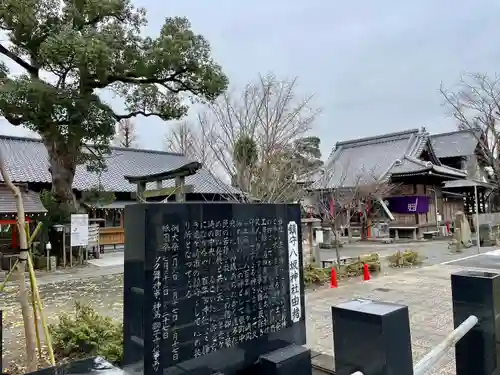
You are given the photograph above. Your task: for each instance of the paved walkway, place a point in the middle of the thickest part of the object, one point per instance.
(72, 274)
(109, 260)
(426, 291)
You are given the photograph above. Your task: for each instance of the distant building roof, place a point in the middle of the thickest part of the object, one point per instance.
(27, 161)
(368, 159)
(460, 184)
(454, 144)
(31, 201)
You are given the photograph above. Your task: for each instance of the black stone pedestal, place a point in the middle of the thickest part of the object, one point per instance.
(292, 359)
(371, 337)
(477, 293)
(188, 370)
(88, 366)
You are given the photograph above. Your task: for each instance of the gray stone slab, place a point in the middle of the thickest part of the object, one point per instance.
(324, 362)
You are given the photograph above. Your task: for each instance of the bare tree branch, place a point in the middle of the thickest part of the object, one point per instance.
(191, 139)
(270, 112)
(126, 135)
(349, 200)
(475, 105)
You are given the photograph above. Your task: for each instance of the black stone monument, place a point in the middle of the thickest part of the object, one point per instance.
(210, 287)
(372, 337)
(477, 293)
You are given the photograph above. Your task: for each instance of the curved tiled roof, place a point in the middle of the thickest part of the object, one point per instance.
(27, 161)
(413, 165)
(455, 144)
(369, 159)
(31, 201)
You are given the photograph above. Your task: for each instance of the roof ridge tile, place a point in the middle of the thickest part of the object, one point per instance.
(27, 162)
(436, 135)
(129, 149)
(377, 139)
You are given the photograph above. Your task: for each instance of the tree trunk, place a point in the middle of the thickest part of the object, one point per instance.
(242, 177)
(62, 169)
(349, 233)
(29, 324)
(364, 231)
(364, 226)
(337, 246)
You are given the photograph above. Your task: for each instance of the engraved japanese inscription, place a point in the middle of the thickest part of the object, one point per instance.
(294, 271)
(221, 281)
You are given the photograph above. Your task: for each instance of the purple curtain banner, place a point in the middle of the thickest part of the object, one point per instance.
(409, 205)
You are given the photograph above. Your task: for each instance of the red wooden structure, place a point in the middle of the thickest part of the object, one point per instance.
(13, 222)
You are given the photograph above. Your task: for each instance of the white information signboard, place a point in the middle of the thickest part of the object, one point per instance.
(79, 230)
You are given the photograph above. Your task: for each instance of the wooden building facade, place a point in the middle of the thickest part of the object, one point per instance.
(415, 200)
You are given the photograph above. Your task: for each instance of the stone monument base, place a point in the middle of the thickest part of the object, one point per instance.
(322, 364)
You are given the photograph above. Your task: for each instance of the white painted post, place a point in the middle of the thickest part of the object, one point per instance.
(435, 355)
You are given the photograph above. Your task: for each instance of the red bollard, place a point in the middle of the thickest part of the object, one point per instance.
(333, 279)
(366, 272)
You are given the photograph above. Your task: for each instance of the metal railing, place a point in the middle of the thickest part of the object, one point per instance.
(431, 359)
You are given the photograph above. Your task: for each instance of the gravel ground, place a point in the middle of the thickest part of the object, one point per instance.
(104, 293)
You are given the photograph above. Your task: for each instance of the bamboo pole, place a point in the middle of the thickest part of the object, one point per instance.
(31, 237)
(35, 314)
(37, 303)
(29, 333)
(42, 314)
(9, 275)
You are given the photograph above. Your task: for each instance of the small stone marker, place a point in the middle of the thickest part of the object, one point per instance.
(477, 293)
(371, 337)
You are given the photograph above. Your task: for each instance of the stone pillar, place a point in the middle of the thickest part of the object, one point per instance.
(477, 293)
(310, 241)
(306, 251)
(371, 337)
(327, 235)
(316, 255)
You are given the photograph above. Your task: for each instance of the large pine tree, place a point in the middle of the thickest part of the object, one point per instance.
(70, 50)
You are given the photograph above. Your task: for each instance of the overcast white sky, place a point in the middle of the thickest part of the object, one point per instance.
(374, 66)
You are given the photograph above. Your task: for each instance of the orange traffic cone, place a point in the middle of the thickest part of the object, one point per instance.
(366, 272)
(333, 279)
